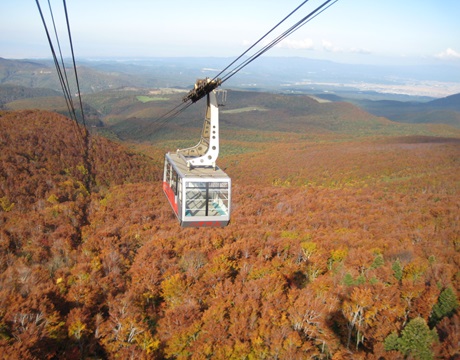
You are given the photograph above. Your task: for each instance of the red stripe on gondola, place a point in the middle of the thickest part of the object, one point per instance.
(171, 197)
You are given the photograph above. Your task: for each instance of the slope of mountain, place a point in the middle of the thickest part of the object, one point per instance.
(42, 74)
(107, 84)
(259, 112)
(41, 150)
(440, 111)
(9, 93)
(57, 104)
(132, 113)
(320, 229)
(451, 102)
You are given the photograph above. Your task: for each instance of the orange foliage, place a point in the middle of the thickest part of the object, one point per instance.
(332, 247)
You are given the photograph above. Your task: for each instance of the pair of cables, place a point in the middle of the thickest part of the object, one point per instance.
(60, 66)
(240, 62)
(226, 74)
(81, 131)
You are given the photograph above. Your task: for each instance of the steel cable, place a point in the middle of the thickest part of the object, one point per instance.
(229, 73)
(61, 74)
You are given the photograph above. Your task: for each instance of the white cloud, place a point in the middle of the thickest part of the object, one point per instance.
(330, 47)
(448, 54)
(360, 51)
(305, 44)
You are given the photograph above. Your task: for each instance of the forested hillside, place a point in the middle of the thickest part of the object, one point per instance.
(137, 115)
(134, 113)
(338, 247)
(41, 73)
(10, 93)
(440, 111)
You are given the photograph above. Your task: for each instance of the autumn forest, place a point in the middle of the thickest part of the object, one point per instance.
(339, 247)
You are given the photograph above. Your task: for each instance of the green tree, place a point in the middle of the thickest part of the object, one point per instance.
(446, 305)
(378, 262)
(397, 270)
(348, 279)
(416, 340)
(391, 342)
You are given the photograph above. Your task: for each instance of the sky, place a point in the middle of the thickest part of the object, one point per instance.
(350, 31)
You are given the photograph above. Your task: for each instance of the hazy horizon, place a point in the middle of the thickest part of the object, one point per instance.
(284, 74)
(359, 32)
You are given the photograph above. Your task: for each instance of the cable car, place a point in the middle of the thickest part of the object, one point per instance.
(198, 191)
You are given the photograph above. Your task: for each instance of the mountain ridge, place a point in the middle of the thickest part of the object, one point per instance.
(288, 74)
(441, 111)
(100, 79)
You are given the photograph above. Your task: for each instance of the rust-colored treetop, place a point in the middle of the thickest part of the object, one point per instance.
(336, 249)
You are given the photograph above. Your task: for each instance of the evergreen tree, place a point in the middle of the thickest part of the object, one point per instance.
(391, 342)
(348, 279)
(415, 340)
(397, 270)
(378, 262)
(446, 305)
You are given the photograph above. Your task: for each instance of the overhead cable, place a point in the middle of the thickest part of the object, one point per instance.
(281, 37)
(74, 64)
(82, 133)
(61, 76)
(263, 37)
(227, 74)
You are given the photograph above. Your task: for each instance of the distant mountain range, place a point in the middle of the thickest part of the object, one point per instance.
(445, 110)
(287, 74)
(110, 87)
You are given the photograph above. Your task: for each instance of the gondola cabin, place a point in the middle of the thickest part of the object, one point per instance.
(200, 197)
(198, 191)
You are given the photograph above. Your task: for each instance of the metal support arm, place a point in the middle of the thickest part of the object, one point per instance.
(205, 153)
